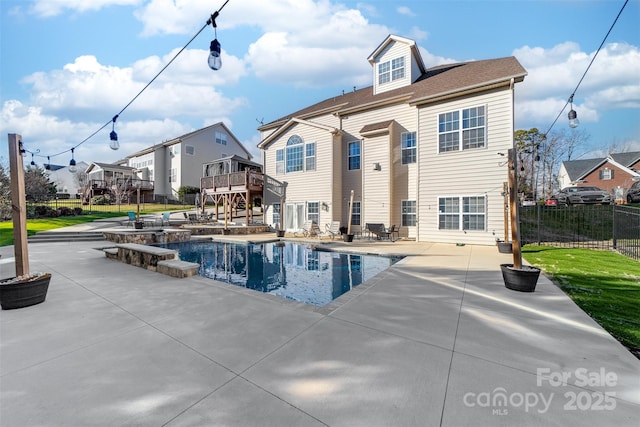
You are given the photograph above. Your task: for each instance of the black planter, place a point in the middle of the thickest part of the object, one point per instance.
(280, 233)
(138, 225)
(505, 247)
(348, 237)
(523, 279)
(24, 294)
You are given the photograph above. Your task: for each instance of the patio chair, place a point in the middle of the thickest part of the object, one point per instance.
(389, 232)
(309, 229)
(332, 230)
(132, 218)
(165, 218)
(376, 229)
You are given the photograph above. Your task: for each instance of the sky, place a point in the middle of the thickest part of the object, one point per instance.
(67, 67)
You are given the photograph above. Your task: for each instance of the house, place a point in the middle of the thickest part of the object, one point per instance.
(419, 149)
(66, 182)
(614, 173)
(165, 167)
(120, 182)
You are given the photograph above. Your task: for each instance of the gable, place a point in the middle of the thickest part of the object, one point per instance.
(395, 63)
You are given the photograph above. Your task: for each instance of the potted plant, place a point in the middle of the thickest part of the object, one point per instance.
(504, 247)
(516, 276)
(23, 291)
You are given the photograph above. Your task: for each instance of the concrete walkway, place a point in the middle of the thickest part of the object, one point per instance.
(435, 340)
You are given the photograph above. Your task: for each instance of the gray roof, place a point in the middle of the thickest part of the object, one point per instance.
(627, 159)
(576, 169)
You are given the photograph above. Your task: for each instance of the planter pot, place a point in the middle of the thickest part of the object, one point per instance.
(348, 237)
(523, 279)
(505, 247)
(24, 294)
(280, 233)
(138, 225)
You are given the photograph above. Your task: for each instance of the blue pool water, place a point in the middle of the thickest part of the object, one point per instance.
(290, 270)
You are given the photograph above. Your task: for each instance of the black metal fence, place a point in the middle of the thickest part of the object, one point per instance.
(186, 201)
(615, 227)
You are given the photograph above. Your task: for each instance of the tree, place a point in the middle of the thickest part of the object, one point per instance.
(5, 193)
(527, 146)
(38, 188)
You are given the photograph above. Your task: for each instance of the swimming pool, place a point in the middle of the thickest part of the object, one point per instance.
(289, 270)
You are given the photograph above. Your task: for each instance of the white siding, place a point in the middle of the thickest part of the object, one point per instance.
(464, 173)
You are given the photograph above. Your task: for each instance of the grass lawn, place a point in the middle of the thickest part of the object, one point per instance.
(606, 285)
(43, 224)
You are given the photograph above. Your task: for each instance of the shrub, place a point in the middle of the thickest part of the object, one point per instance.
(77, 211)
(65, 211)
(101, 200)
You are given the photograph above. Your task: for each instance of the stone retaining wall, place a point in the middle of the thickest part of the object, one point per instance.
(148, 237)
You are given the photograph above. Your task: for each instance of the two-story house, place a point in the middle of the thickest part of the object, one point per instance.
(178, 162)
(419, 148)
(614, 173)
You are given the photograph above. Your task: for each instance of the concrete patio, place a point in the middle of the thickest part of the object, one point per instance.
(435, 340)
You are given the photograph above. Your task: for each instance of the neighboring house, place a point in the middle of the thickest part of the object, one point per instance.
(614, 173)
(118, 181)
(65, 181)
(178, 162)
(419, 149)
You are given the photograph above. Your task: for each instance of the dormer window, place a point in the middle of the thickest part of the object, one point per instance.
(391, 70)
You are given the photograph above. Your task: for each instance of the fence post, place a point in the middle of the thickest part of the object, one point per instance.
(615, 238)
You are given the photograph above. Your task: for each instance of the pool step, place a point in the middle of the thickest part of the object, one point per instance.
(66, 236)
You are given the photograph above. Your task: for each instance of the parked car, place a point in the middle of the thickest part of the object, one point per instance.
(582, 195)
(633, 194)
(551, 202)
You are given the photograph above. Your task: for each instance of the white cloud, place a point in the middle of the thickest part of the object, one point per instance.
(49, 8)
(404, 10)
(611, 82)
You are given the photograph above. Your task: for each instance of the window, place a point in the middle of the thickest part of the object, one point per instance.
(354, 155)
(174, 149)
(310, 157)
(313, 212)
(456, 136)
(606, 174)
(189, 149)
(408, 147)
(408, 213)
(276, 214)
(391, 70)
(173, 175)
(221, 138)
(355, 214)
(279, 161)
(462, 213)
(294, 154)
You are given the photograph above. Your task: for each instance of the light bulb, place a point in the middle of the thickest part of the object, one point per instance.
(72, 166)
(114, 144)
(215, 61)
(573, 119)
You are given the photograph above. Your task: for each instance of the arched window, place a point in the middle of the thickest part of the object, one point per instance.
(295, 154)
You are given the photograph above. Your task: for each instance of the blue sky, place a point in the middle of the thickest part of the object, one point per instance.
(68, 66)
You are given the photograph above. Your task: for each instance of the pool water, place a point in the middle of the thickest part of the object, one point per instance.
(289, 270)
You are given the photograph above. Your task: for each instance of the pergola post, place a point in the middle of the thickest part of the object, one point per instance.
(18, 205)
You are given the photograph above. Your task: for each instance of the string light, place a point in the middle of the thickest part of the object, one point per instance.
(113, 136)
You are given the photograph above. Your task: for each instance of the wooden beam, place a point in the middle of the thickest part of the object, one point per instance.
(18, 205)
(513, 203)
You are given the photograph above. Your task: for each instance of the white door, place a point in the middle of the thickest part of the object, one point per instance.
(294, 216)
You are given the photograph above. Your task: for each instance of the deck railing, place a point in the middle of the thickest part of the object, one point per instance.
(248, 180)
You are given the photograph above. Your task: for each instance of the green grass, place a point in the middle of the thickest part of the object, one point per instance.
(35, 225)
(606, 285)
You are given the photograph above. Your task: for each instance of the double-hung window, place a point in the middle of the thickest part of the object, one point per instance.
(408, 140)
(409, 213)
(356, 213)
(354, 155)
(313, 212)
(391, 70)
(279, 161)
(606, 174)
(456, 134)
(221, 138)
(462, 213)
(310, 156)
(295, 154)
(276, 214)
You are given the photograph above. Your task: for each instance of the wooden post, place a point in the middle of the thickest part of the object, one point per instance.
(513, 203)
(505, 192)
(18, 205)
(350, 213)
